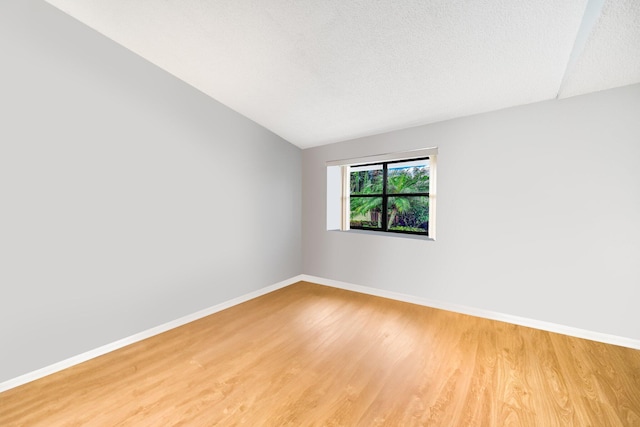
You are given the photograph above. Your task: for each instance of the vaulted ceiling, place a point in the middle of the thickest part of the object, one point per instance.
(316, 72)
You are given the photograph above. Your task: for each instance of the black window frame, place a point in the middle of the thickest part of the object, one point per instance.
(385, 198)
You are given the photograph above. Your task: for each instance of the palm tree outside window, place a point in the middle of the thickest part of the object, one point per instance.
(390, 196)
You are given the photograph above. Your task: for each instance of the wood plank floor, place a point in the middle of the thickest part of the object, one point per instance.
(310, 355)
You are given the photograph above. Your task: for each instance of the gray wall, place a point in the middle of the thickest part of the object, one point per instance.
(538, 214)
(128, 199)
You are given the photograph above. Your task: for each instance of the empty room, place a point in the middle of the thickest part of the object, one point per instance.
(333, 213)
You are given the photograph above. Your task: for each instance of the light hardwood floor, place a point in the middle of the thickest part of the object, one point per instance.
(310, 355)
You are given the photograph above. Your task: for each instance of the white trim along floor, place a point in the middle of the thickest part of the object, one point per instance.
(532, 323)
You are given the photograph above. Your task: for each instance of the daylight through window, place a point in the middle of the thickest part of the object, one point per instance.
(390, 196)
(389, 193)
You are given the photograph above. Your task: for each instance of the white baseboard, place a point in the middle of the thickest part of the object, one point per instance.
(478, 312)
(532, 323)
(91, 354)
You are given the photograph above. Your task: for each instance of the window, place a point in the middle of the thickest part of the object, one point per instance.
(388, 193)
(390, 196)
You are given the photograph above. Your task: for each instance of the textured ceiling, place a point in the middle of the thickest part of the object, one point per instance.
(317, 72)
(611, 55)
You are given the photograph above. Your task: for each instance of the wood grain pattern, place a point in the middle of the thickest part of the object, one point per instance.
(310, 355)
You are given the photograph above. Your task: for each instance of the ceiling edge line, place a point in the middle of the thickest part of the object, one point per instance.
(592, 13)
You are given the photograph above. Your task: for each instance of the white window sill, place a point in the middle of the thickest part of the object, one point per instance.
(387, 235)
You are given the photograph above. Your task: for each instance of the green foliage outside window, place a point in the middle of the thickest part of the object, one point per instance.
(406, 197)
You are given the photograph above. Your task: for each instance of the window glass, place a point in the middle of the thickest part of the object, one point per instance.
(366, 179)
(390, 196)
(408, 214)
(366, 212)
(408, 177)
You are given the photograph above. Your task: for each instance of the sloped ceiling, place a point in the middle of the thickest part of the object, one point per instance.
(317, 72)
